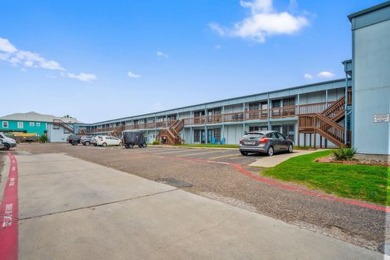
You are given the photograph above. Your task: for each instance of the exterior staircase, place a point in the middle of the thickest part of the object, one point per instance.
(171, 135)
(326, 123)
(59, 122)
(118, 131)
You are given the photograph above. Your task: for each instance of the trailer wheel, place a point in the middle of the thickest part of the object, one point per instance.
(126, 146)
(145, 145)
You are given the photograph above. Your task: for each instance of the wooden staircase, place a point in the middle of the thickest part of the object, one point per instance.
(171, 134)
(59, 122)
(118, 131)
(326, 123)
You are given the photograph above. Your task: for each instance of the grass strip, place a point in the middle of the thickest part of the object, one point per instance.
(361, 182)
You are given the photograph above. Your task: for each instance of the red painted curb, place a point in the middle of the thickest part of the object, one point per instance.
(281, 185)
(9, 213)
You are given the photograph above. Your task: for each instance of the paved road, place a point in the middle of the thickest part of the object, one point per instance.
(74, 209)
(214, 174)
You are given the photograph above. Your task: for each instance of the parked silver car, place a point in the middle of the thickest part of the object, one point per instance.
(86, 139)
(267, 142)
(105, 140)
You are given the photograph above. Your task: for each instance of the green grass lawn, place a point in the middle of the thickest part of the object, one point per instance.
(361, 182)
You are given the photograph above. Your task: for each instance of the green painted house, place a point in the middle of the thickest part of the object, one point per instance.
(34, 124)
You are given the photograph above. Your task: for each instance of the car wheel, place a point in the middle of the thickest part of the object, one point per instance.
(126, 146)
(6, 147)
(244, 153)
(104, 144)
(290, 148)
(87, 143)
(140, 145)
(270, 151)
(74, 143)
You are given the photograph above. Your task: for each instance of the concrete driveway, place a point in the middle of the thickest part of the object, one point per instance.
(73, 209)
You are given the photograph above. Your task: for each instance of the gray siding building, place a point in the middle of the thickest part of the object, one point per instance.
(371, 80)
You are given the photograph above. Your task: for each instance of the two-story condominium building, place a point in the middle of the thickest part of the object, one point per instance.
(353, 111)
(309, 115)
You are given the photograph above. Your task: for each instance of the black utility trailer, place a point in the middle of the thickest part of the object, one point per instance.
(131, 138)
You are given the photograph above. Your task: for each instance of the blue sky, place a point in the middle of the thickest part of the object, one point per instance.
(99, 60)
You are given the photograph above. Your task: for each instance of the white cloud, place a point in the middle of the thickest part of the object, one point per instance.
(28, 59)
(133, 75)
(162, 54)
(325, 74)
(262, 22)
(217, 28)
(322, 74)
(82, 76)
(6, 46)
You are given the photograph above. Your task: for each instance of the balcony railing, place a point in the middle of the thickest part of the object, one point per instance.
(235, 117)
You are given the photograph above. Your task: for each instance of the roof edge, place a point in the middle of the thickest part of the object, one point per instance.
(368, 10)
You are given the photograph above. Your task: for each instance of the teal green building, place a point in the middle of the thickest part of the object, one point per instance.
(31, 124)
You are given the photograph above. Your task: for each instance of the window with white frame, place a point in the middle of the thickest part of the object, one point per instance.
(38, 124)
(5, 124)
(20, 124)
(32, 124)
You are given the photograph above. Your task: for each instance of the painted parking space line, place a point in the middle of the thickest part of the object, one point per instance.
(225, 156)
(197, 153)
(9, 214)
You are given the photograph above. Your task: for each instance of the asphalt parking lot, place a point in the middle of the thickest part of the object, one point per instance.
(224, 175)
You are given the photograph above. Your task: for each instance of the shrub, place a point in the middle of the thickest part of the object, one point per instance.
(344, 154)
(156, 142)
(43, 139)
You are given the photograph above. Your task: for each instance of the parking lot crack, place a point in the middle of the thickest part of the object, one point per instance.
(99, 205)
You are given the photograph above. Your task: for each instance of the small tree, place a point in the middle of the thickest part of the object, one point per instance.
(344, 154)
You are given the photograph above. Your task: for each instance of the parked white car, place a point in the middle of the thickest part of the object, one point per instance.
(105, 140)
(7, 141)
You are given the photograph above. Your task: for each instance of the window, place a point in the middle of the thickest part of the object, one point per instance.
(253, 128)
(32, 124)
(5, 124)
(20, 124)
(38, 124)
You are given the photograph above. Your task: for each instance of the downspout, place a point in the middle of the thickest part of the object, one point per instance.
(345, 108)
(269, 113)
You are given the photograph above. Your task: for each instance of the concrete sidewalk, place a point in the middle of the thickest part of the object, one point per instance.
(272, 161)
(72, 209)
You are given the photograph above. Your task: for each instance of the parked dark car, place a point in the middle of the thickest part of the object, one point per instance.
(131, 138)
(73, 139)
(86, 139)
(267, 142)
